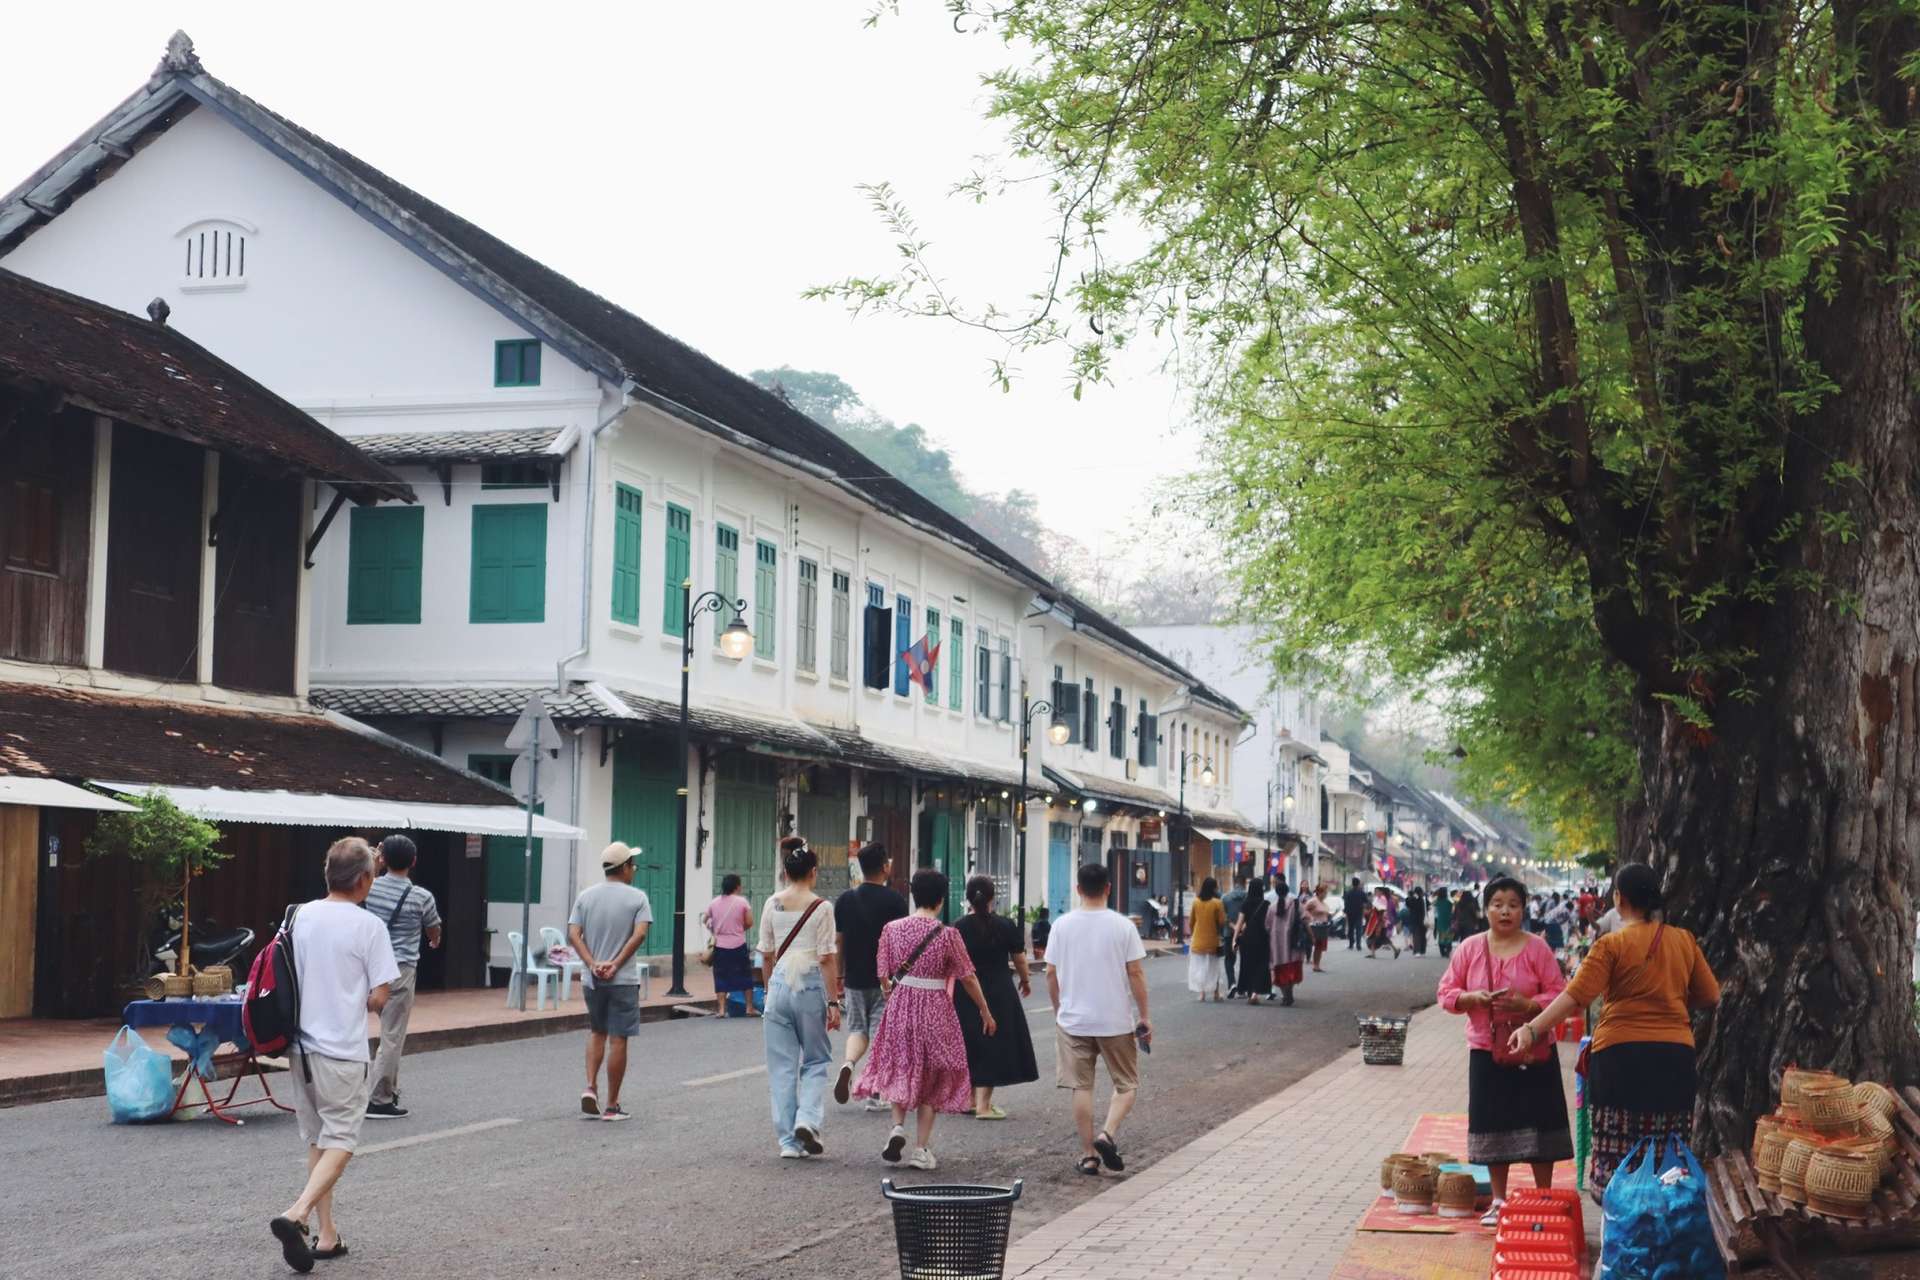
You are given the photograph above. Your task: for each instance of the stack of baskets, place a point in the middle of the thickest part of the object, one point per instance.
(1829, 1145)
(1383, 1040)
(214, 980)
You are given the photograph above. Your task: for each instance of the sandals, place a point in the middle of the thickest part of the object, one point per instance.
(1089, 1165)
(293, 1243)
(1109, 1151)
(339, 1250)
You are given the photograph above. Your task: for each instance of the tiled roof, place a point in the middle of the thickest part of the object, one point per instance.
(596, 333)
(460, 446)
(69, 733)
(1112, 790)
(466, 702)
(856, 748)
(143, 373)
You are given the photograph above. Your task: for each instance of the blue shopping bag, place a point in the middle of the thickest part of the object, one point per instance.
(139, 1079)
(1656, 1224)
(737, 1001)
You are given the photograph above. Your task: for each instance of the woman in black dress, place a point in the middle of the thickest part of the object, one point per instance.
(1250, 940)
(1005, 1057)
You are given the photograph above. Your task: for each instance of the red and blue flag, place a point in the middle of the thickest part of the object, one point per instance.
(920, 661)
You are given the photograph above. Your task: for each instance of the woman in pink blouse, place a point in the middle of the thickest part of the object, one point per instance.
(1515, 1113)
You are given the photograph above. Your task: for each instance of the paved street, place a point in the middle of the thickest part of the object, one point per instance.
(496, 1174)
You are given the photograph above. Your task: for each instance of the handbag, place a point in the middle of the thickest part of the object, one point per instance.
(1505, 1024)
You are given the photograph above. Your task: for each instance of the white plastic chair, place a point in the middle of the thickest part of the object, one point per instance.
(522, 966)
(569, 969)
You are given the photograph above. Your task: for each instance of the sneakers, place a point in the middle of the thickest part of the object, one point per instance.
(843, 1084)
(589, 1104)
(808, 1139)
(792, 1153)
(878, 1104)
(896, 1143)
(386, 1111)
(616, 1112)
(923, 1159)
(1492, 1218)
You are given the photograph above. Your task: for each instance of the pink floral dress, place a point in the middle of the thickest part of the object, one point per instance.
(919, 1057)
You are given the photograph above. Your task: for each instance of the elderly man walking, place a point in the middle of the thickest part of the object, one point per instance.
(1099, 994)
(343, 965)
(410, 914)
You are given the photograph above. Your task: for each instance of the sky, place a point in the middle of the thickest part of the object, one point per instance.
(698, 164)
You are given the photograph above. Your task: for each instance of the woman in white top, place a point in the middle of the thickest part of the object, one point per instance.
(803, 1001)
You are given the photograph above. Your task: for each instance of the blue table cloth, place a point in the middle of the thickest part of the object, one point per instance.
(218, 1020)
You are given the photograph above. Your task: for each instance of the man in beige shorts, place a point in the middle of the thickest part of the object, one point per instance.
(343, 964)
(1099, 994)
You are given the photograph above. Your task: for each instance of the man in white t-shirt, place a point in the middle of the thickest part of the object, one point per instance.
(1099, 994)
(343, 964)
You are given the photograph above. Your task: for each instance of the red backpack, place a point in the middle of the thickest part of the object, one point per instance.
(271, 1011)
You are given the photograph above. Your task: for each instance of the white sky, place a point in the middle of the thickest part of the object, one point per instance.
(696, 163)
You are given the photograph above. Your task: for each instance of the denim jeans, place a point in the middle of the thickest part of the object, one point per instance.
(798, 1052)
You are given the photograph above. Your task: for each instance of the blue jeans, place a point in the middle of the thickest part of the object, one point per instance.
(798, 1053)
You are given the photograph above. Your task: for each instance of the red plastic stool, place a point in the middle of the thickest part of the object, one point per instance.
(1533, 1264)
(1554, 1200)
(1554, 1236)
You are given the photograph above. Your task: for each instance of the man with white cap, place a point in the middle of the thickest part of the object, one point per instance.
(608, 924)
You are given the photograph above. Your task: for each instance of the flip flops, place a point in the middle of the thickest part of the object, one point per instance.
(1109, 1151)
(293, 1243)
(339, 1250)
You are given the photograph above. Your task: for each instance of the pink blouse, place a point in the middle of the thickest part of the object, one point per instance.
(727, 917)
(1533, 972)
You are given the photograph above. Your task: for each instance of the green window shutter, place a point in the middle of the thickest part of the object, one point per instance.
(726, 574)
(956, 664)
(933, 666)
(516, 363)
(626, 555)
(383, 564)
(504, 854)
(509, 582)
(679, 559)
(766, 597)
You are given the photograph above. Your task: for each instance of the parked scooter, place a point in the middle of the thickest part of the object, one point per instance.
(212, 945)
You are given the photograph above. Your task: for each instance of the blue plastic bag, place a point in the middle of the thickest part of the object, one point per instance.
(737, 1001)
(139, 1079)
(1656, 1224)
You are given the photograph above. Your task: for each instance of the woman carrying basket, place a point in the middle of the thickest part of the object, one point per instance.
(1516, 1107)
(1640, 1076)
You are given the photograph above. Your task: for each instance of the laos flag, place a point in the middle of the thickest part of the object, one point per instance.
(920, 660)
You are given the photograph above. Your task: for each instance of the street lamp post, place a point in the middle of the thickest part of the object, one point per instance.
(1186, 834)
(736, 641)
(1057, 734)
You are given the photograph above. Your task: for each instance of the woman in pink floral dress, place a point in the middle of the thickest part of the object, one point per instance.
(919, 1059)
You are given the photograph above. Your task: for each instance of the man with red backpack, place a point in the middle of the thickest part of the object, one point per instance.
(342, 965)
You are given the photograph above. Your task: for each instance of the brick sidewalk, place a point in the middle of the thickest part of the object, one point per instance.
(1272, 1194)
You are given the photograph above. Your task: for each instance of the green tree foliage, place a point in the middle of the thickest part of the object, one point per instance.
(163, 844)
(906, 452)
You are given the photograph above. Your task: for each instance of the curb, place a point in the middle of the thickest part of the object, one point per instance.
(55, 1086)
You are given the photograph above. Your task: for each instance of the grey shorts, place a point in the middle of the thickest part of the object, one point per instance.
(331, 1109)
(614, 1010)
(863, 1007)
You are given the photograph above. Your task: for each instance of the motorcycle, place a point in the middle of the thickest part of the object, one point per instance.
(211, 945)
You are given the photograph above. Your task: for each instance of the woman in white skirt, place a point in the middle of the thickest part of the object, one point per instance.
(1206, 931)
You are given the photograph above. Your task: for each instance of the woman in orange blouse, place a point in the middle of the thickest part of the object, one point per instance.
(1640, 1075)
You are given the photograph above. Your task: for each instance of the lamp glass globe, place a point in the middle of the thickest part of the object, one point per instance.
(1058, 732)
(736, 641)
(1206, 775)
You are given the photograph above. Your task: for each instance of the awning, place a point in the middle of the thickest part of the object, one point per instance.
(51, 793)
(296, 809)
(1212, 833)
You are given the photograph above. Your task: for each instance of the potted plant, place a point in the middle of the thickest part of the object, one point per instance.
(165, 847)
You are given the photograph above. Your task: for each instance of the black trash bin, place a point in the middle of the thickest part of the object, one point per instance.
(951, 1232)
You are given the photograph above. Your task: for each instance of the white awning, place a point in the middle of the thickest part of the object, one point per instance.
(297, 809)
(51, 793)
(1213, 834)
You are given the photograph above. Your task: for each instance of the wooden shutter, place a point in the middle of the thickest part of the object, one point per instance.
(509, 581)
(902, 641)
(673, 614)
(957, 660)
(933, 666)
(766, 596)
(1091, 725)
(626, 555)
(1117, 731)
(383, 564)
(1149, 739)
(876, 658)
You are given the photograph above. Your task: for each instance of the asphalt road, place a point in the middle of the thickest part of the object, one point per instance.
(496, 1174)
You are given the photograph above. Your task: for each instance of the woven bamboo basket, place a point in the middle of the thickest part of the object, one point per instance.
(1793, 1170)
(1413, 1187)
(1876, 1131)
(1392, 1163)
(214, 980)
(1841, 1181)
(1829, 1107)
(1794, 1080)
(1874, 1098)
(165, 986)
(1434, 1159)
(1768, 1149)
(1457, 1195)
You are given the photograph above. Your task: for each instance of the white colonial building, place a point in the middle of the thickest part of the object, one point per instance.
(575, 466)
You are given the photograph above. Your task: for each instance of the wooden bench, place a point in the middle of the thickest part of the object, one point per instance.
(1751, 1223)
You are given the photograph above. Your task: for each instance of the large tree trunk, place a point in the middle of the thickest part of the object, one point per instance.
(1787, 838)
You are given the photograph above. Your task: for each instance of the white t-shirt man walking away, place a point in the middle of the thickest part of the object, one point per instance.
(343, 964)
(1099, 994)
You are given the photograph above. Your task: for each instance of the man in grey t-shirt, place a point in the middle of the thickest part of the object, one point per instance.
(411, 916)
(608, 924)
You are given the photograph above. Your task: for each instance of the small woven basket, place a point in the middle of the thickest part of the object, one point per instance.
(1793, 1082)
(1434, 1159)
(1392, 1163)
(1457, 1195)
(1876, 1132)
(1768, 1148)
(1383, 1041)
(1841, 1181)
(166, 986)
(1413, 1186)
(1829, 1107)
(1874, 1099)
(1793, 1170)
(214, 980)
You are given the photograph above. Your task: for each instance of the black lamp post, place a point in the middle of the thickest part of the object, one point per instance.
(1057, 734)
(1180, 874)
(736, 641)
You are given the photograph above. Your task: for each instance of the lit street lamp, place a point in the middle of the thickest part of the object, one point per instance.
(736, 642)
(1181, 875)
(1057, 732)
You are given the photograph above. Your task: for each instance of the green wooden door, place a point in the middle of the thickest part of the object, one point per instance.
(746, 824)
(645, 816)
(943, 846)
(825, 815)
